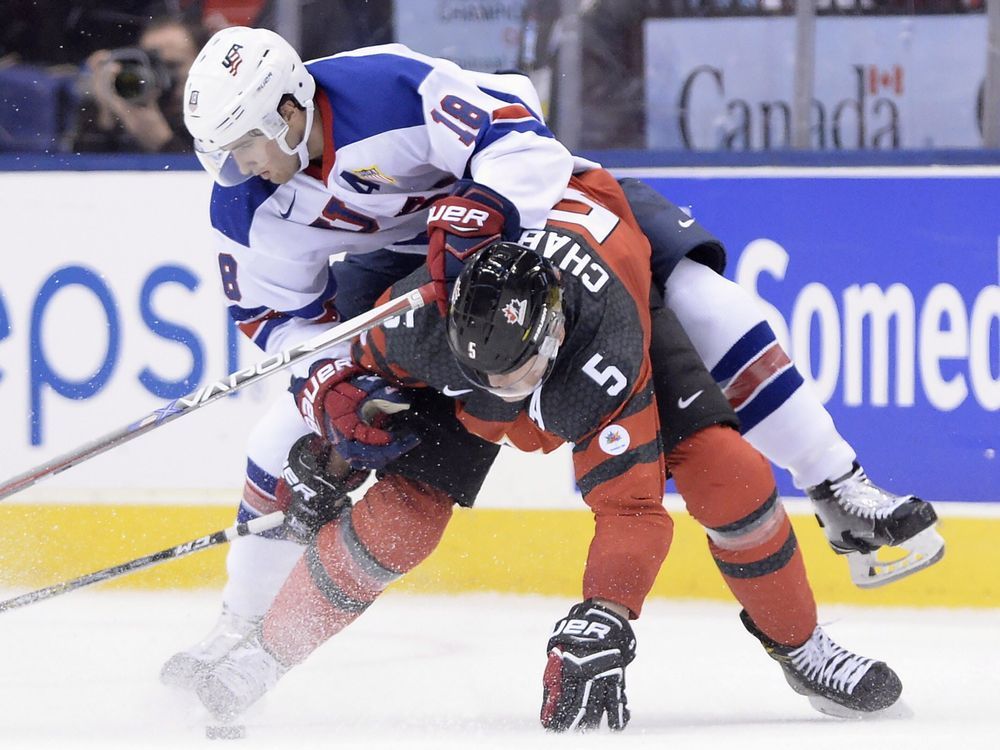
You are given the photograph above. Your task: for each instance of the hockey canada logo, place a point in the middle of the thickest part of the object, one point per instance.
(614, 440)
(515, 310)
(233, 59)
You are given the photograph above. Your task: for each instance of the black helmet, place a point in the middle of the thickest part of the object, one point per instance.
(506, 307)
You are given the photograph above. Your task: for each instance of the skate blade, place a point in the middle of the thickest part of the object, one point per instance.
(217, 699)
(921, 551)
(182, 671)
(898, 710)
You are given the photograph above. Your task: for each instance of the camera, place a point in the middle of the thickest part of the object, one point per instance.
(143, 75)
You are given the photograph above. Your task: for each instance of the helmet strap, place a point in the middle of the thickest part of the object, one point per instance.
(302, 150)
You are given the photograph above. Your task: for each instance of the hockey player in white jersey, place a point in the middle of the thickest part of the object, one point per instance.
(345, 155)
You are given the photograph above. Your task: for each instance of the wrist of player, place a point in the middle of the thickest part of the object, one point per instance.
(310, 391)
(313, 487)
(350, 408)
(619, 609)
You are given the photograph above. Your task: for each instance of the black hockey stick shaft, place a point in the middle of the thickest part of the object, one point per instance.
(229, 384)
(255, 526)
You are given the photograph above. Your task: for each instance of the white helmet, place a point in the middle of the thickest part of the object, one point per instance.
(232, 94)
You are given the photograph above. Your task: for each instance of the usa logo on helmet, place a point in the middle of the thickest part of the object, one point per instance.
(233, 59)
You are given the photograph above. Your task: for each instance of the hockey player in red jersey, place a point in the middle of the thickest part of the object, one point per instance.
(553, 336)
(347, 154)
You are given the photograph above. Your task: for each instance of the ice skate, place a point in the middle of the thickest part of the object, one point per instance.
(860, 518)
(836, 681)
(238, 680)
(182, 669)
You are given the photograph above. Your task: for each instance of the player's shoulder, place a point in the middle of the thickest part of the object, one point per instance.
(600, 362)
(395, 48)
(380, 66)
(372, 91)
(232, 209)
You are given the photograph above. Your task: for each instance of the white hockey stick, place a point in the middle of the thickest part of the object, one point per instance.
(216, 390)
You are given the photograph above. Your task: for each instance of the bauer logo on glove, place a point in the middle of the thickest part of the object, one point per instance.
(470, 218)
(308, 390)
(349, 408)
(584, 676)
(313, 487)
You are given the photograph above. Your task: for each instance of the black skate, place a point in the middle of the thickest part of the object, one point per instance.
(860, 518)
(836, 681)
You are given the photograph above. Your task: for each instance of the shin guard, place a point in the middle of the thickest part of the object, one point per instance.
(729, 489)
(351, 561)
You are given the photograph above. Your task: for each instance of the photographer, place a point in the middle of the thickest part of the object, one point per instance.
(132, 97)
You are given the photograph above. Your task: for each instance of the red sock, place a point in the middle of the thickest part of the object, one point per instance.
(351, 561)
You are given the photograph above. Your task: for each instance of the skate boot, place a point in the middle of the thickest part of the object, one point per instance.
(836, 681)
(238, 680)
(859, 518)
(182, 669)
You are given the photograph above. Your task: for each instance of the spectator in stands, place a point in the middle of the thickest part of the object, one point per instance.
(612, 49)
(132, 97)
(65, 32)
(331, 26)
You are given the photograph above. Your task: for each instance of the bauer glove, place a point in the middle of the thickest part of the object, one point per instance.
(585, 673)
(313, 487)
(346, 406)
(470, 218)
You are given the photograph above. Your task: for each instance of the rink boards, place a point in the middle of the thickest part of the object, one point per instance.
(527, 551)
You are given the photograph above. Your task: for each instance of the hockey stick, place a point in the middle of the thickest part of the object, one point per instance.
(229, 384)
(255, 526)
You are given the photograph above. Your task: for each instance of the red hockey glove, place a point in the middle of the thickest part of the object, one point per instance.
(470, 218)
(585, 673)
(343, 404)
(313, 487)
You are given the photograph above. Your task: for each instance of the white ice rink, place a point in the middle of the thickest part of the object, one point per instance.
(465, 672)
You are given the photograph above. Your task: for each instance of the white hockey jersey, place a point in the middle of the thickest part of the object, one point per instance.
(399, 129)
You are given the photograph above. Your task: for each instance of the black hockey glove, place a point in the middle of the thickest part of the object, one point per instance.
(585, 673)
(311, 490)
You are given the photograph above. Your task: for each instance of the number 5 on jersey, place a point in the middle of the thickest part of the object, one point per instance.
(602, 376)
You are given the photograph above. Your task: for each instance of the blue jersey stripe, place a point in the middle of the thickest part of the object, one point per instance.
(499, 129)
(743, 351)
(371, 94)
(773, 395)
(242, 314)
(232, 208)
(510, 99)
(264, 332)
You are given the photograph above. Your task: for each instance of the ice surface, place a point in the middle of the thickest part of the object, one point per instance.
(465, 672)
